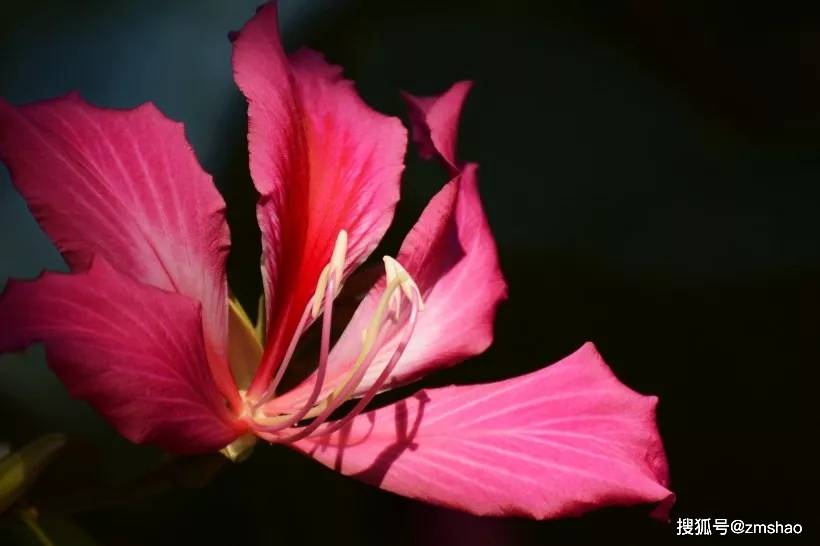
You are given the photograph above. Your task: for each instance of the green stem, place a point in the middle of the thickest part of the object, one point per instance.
(29, 517)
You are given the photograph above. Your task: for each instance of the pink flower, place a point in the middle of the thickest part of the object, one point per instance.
(144, 330)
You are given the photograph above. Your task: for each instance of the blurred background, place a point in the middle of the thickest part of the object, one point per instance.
(650, 170)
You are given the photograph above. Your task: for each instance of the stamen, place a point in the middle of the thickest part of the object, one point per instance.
(334, 269)
(406, 282)
(300, 328)
(397, 279)
(336, 266)
(276, 424)
(377, 385)
(395, 299)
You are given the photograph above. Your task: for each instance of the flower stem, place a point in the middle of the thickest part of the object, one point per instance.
(29, 517)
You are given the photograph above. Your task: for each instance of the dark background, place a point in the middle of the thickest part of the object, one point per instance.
(650, 170)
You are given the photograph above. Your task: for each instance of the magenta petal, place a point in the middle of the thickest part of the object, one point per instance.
(434, 122)
(557, 442)
(451, 255)
(322, 161)
(124, 185)
(134, 352)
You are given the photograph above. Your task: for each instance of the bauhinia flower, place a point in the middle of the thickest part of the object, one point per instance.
(143, 327)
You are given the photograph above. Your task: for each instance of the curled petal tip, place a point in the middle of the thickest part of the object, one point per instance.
(434, 122)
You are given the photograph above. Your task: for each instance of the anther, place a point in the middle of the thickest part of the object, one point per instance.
(395, 272)
(337, 267)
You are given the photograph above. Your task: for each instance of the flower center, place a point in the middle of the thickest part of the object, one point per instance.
(390, 322)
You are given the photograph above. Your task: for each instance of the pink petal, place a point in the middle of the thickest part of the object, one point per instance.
(557, 442)
(134, 352)
(451, 255)
(126, 186)
(322, 161)
(434, 122)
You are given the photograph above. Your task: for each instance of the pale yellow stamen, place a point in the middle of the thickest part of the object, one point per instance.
(398, 284)
(406, 282)
(337, 266)
(391, 275)
(397, 281)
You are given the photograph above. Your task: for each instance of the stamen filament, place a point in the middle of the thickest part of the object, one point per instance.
(334, 269)
(377, 385)
(276, 424)
(399, 284)
(369, 340)
(330, 404)
(300, 328)
(397, 278)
